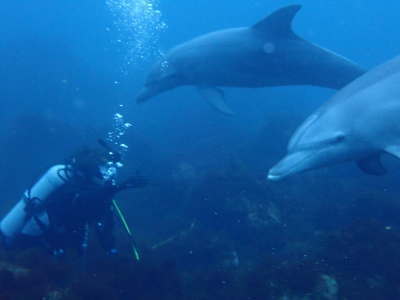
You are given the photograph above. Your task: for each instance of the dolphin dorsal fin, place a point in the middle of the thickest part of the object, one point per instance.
(279, 22)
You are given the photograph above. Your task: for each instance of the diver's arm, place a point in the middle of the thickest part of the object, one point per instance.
(105, 231)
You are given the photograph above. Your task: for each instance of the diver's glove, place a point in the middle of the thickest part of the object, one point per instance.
(133, 182)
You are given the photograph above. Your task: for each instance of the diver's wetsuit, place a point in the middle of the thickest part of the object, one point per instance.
(59, 208)
(72, 209)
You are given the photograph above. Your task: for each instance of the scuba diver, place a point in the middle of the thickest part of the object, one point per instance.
(69, 199)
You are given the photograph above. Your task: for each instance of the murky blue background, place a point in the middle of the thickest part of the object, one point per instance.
(64, 73)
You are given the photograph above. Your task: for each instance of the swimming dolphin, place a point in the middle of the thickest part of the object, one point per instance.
(359, 123)
(266, 54)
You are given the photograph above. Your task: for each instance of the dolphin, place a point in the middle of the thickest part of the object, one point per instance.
(360, 123)
(268, 53)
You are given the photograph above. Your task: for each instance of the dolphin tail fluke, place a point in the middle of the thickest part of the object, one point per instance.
(280, 22)
(216, 98)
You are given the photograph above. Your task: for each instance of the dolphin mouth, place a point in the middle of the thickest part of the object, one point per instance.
(291, 164)
(274, 177)
(151, 90)
(144, 95)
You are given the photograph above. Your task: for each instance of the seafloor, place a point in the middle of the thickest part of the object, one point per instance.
(253, 244)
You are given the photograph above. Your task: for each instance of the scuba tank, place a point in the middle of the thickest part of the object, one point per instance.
(27, 215)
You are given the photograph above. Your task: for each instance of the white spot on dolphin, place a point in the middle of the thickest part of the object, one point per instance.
(269, 47)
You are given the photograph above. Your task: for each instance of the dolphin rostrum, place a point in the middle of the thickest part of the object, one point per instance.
(359, 123)
(268, 53)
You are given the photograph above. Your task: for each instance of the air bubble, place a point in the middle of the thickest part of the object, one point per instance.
(120, 126)
(140, 25)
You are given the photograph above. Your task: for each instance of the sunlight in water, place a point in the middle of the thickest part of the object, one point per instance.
(140, 25)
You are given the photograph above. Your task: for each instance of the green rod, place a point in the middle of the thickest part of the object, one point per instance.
(127, 228)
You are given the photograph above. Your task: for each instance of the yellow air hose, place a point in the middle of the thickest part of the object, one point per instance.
(127, 228)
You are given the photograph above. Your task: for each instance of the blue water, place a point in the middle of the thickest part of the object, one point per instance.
(67, 67)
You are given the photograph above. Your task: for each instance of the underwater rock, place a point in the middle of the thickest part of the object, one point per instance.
(16, 271)
(232, 260)
(261, 213)
(287, 297)
(56, 295)
(184, 172)
(327, 288)
(376, 282)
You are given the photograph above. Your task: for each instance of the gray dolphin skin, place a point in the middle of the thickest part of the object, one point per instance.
(266, 54)
(359, 123)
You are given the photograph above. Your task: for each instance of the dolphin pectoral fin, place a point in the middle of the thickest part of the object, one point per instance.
(280, 22)
(216, 98)
(372, 165)
(393, 150)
